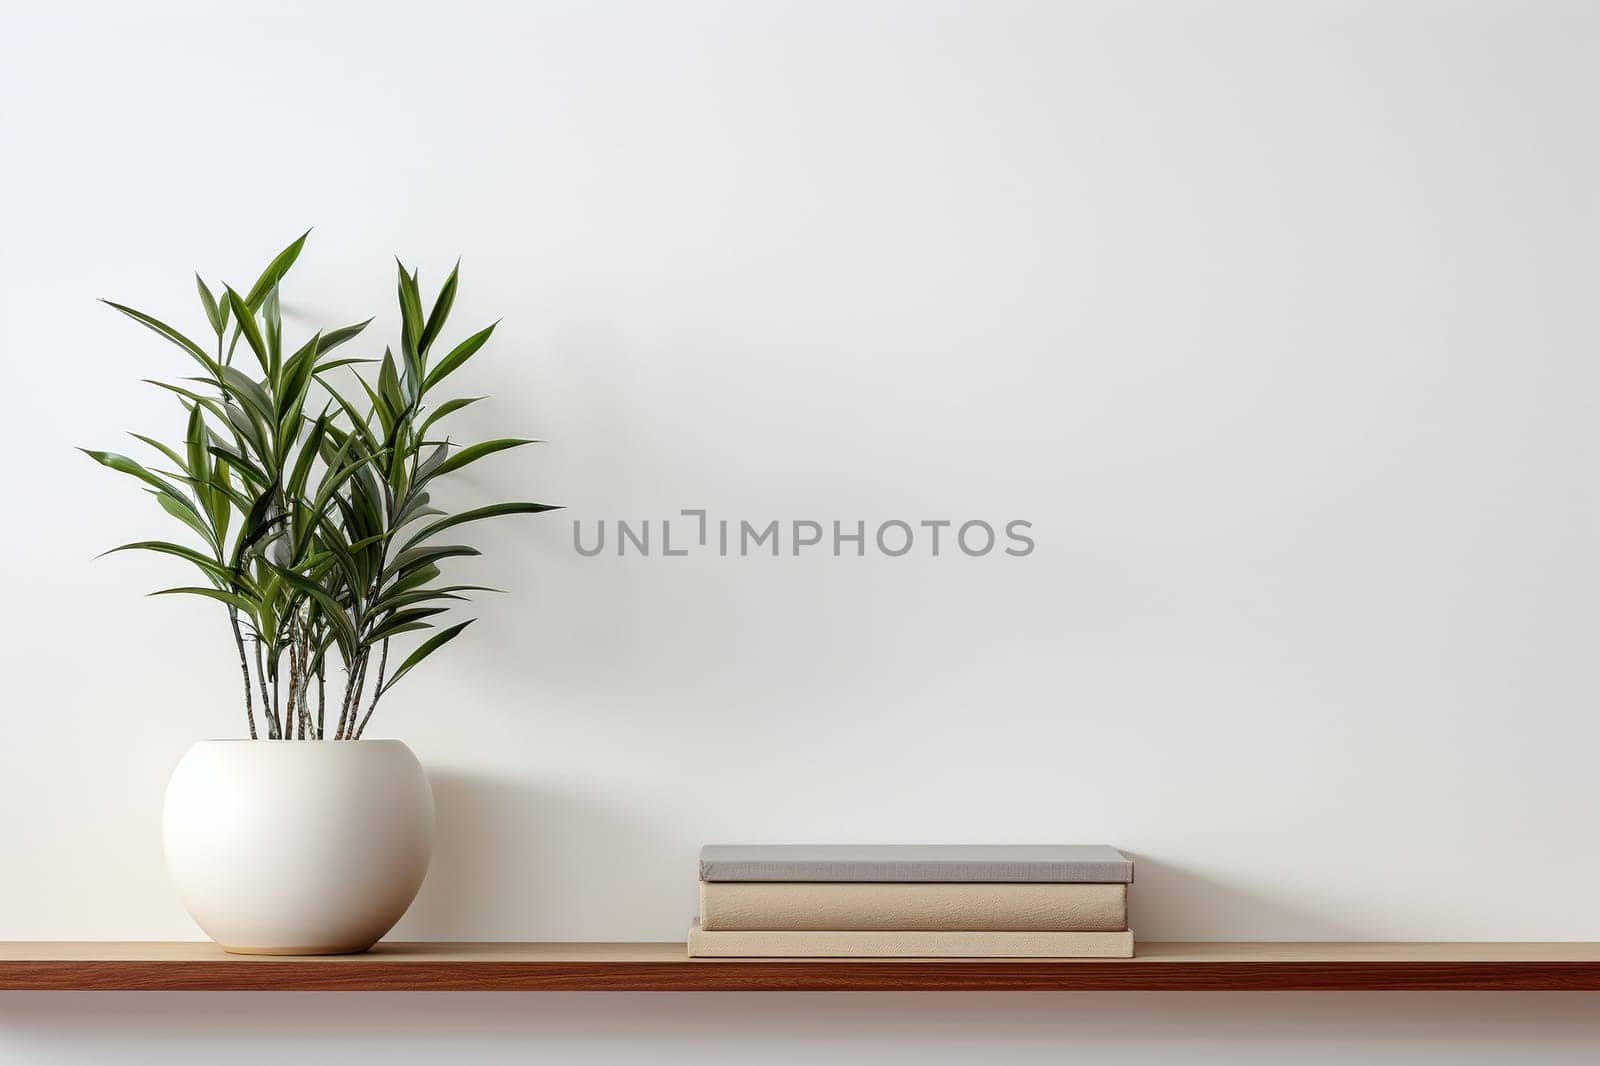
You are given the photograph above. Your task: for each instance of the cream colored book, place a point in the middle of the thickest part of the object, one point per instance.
(906, 944)
(848, 905)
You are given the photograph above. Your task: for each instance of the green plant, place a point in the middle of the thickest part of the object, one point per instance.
(313, 504)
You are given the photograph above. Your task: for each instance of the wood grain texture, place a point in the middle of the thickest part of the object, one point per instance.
(1173, 966)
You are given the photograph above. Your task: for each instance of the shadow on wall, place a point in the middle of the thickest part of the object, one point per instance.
(1169, 902)
(513, 861)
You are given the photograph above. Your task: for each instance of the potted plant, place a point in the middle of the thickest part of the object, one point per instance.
(306, 486)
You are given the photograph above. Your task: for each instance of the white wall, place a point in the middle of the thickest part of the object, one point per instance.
(1276, 320)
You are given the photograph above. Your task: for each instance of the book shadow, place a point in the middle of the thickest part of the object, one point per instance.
(1172, 902)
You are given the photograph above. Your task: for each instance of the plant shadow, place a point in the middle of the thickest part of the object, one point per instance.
(517, 861)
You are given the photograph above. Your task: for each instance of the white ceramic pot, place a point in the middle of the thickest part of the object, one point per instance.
(298, 847)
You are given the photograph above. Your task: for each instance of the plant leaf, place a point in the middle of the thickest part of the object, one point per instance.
(392, 625)
(428, 554)
(199, 464)
(330, 606)
(272, 329)
(308, 452)
(393, 600)
(410, 306)
(232, 599)
(246, 428)
(122, 464)
(257, 525)
(406, 582)
(221, 500)
(440, 312)
(334, 364)
(492, 511)
(358, 424)
(458, 355)
(177, 460)
(447, 408)
(335, 337)
(242, 463)
(416, 506)
(210, 566)
(245, 323)
(473, 452)
(273, 273)
(292, 393)
(213, 313)
(185, 512)
(427, 648)
(251, 393)
(170, 334)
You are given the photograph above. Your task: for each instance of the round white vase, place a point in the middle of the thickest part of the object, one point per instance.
(298, 847)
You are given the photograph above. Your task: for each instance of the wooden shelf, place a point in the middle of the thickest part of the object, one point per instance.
(1180, 966)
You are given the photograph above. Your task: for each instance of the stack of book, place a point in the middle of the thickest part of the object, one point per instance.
(939, 901)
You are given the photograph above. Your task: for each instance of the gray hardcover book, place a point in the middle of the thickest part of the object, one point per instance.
(1055, 863)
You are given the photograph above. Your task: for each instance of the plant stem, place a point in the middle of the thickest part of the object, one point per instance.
(293, 720)
(274, 730)
(244, 668)
(355, 704)
(352, 697)
(383, 664)
(302, 679)
(307, 731)
(322, 695)
(300, 668)
(350, 672)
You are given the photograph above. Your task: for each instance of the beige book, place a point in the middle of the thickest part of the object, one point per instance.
(851, 905)
(906, 944)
